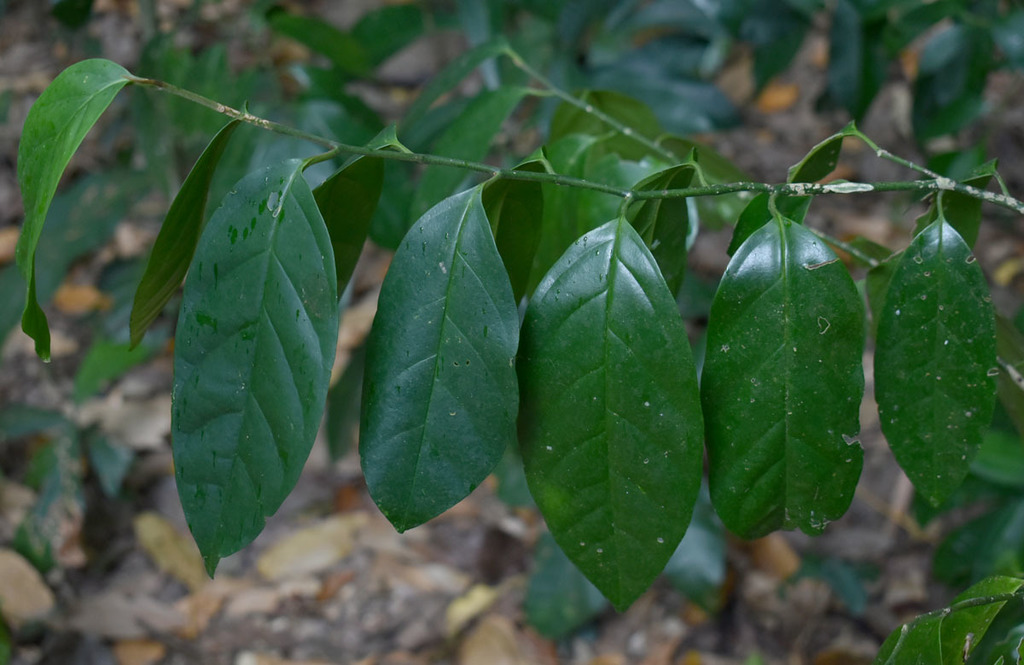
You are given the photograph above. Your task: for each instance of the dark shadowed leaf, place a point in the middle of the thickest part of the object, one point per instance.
(559, 598)
(782, 384)
(343, 50)
(963, 212)
(179, 234)
(952, 71)
(935, 361)
(110, 462)
(343, 405)
(253, 353)
(820, 160)
(72, 13)
(697, 567)
(858, 61)
(55, 127)
(347, 200)
(1010, 384)
(386, 30)
(440, 396)
(664, 224)
(569, 119)
(515, 209)
(610, 427)
(757, 214)
(106, 360)
(948, 637)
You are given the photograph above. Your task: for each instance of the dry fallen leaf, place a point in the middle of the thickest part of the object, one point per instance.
(74, 299)
(253, 658)
(172, 551)
(775, 556)
(23, 594)
(312, 549)
(494, 642)
(116, 615)
(139, 424)
(139, 652)
(776, 97)
(200, 607)
(467, 607)
(8, 240)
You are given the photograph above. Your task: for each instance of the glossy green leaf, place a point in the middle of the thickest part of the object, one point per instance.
(55, 127)
(347, 201)
(106, 360)
(610, 427)
(697, 568)
(822, 159)
(757, 214)
(664, 224)
(961, 211)
(715, 211)
(559, 599)
(344, 402)
(782, 384)
(935, 361)
(515, 209)
(440, 396)
(947, 637)
(343, 50)
(468, 137)
(176, 243)
(253, 354)
(570, 119)
(449, 77)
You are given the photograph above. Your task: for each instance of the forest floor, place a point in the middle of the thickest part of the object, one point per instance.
(329, 580)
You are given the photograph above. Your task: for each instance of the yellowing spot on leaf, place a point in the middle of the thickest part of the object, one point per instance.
(777, 97)
(171, 551)
(138, 652)
(75, 299)
(23, 594)
(312, 549)
(467, 607)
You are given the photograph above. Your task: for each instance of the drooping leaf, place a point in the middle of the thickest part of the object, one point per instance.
(468, 137)
(559, 598)
(55, 127)
(948, 637)
(344, 401)
(176, 243)
(610, 426)
(449, 77)
(963, 212)
(253, 352)
(440, 395)
(347, 200)
(515, 209)
(782, 384)
(821, 160)
(697, 567)
(757, 214)
(664, 224)
(935, 361)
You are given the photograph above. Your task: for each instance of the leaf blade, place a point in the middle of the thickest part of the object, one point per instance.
(610, 426)
(422, 400)
(253, 352)
(56, 125)
(782, 383)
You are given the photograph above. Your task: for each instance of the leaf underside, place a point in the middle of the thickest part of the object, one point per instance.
(610, 426)
(935, 361)
(782, 384)
(440, 396)
(253, 352)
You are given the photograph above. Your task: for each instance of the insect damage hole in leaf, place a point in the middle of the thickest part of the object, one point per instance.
(440, 396)
(610, 426)
(782, 384)
(253, 351)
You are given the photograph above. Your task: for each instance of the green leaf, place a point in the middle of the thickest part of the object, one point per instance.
(991, 544)
(697, 567)
(386, 30)
(610, 426)
(782, 384)
(821, 160)
(569, 119)
(664, 224)
(468, 137)
(343, 50)
(110, 463)
(450, 76)
(72, 13)
(344, 402)
(757, 214)
(963, 212)
(253, 354)
(55, 127)
(949, 89)
(1007, 35)
(948, 637)
(559, 599)
(515, 209)
(347, 200)
(176, 243)
(716, 211)
(440, 396)
(106, 360)
(1010, 384)
(935, 361)
(858, 61)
